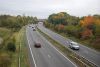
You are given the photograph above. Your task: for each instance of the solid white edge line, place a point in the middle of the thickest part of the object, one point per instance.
(31, 50)
(49, 56)
(57, 49)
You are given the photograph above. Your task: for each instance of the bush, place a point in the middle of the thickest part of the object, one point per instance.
(11, 46)
(46, 24)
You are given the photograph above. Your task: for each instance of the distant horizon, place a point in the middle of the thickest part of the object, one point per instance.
(47, 16)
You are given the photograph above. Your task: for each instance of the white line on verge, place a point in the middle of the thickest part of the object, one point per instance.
(31, 51)
(56, 49)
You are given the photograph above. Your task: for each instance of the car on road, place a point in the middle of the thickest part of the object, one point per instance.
(74, 45)
(37, 45)
(34, 29)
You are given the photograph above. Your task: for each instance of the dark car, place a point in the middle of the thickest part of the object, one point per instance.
(37, 45)
(34, 29)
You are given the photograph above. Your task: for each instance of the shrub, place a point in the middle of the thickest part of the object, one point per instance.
(11, 46)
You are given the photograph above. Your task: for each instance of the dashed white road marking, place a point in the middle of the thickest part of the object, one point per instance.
(31, 51)
(49, 56)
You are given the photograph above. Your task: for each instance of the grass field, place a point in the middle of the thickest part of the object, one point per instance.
(21, 48)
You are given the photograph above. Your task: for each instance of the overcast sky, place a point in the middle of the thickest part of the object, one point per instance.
(43, 8)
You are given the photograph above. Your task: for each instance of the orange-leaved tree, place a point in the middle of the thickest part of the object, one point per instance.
(87, 25)
(60, 27)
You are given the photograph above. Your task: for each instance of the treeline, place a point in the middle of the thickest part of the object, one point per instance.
(16, 22)
(63, 18)
(84, 28)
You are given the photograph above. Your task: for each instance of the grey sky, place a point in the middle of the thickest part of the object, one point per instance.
(43, 8)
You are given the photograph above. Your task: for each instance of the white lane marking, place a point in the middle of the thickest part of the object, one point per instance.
(56, 49)
(63, 55)
(49, 56)
(31, 51)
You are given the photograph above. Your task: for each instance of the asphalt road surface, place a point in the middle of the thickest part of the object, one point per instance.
(47, 55)
(84, 51)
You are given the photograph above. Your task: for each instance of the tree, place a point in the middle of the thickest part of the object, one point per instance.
(16, 22)
(88, 25)
(63, 18)
(60, 28)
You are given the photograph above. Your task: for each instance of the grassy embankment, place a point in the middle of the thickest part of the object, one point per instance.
(11, 59)
(5, 55)
(81, 62)
(21, 57)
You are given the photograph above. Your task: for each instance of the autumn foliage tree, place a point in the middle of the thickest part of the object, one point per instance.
(60, 28)
(87, 21)
(87, 25)
(86, 28)
(62, 18)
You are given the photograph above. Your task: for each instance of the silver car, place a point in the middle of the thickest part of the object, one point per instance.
(74, 45)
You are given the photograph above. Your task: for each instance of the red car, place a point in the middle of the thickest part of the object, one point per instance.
(37, 45)
(34, 29)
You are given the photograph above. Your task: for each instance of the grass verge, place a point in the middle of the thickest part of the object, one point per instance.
(20, 58)
(80, 61)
